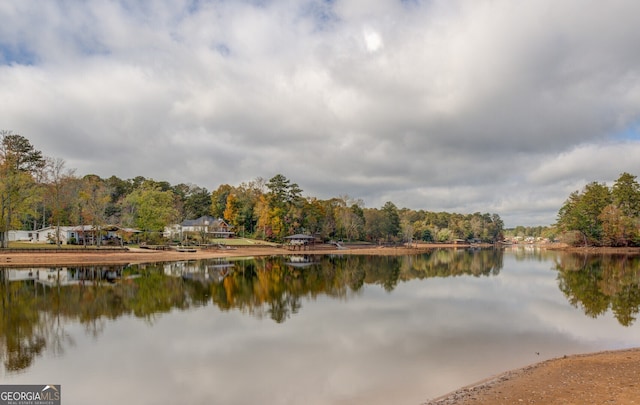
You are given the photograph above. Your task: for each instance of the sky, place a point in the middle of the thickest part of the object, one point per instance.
(462, 106)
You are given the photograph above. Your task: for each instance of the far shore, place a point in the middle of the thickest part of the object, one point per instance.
(52, 256)
(139, 255)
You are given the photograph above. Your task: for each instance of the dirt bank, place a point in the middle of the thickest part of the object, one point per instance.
(610, 377)
(135, 255)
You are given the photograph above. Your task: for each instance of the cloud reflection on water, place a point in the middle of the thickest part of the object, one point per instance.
(425, 337)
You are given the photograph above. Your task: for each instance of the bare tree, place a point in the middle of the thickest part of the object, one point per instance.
(61, 193)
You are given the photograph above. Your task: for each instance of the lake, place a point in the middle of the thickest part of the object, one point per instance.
(309, 329)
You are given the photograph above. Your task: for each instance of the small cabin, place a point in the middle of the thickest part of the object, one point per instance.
(299, 241)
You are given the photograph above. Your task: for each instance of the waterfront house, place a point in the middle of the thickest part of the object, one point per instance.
(203, 226)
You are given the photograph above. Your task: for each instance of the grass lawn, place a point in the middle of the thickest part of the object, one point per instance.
(29, 245)
(49, 246)
(222, 241)
(242, 242)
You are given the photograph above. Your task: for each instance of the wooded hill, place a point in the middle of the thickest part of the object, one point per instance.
(603, 216)
(37, 191)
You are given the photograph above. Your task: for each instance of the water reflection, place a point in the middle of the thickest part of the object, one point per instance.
(599, 283)
(38, 303)
(531, 252)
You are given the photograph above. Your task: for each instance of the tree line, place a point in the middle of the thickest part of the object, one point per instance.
(603, 216)
(38, 191)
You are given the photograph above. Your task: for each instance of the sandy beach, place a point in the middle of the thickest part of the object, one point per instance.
(138, 255)
(611, 377)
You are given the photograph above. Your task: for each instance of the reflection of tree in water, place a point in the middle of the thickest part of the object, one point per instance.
(531, 252)
(270, 287)
(20, 333)
(452, 262)
(34, 314)
(597, 283)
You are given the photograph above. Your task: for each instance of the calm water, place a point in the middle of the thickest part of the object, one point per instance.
(309, 329)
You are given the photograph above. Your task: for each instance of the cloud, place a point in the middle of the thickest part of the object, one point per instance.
(592, 162)
(472, 105)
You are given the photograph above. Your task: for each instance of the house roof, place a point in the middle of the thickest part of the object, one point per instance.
(205, 220)
(111, 228)
(299, 236)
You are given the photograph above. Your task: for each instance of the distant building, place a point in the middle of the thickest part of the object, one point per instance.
(299, 241)
(205, 225)
(80, 234)
(21, 236)
(43, 235)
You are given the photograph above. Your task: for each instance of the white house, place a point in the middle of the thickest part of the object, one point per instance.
(20, 236)
(72, 234)
(210, 226)
(48, 234)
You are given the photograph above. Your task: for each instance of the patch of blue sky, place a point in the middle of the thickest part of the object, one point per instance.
(193, 6)
(255, 3)
(320, 12)
(88, 46)
(16, 55)
(410, 5)
(134, 8)
(222, 49)
(414, 3)
(631, 132)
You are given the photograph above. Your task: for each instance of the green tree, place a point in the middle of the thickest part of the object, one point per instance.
(391, 219)
(248, 195)
(282, 191)
(198, 202)
(119, 190)
(617, 228)
(19, 160)
(444, 235)
(219, 200)
(426, 235)
(595, 198)
(349, 217)
(496, 231)
(314, 215)
(283, 207)
(626, 195)
(581, 212)
(375, 225)
(195, 201)
(150, 209)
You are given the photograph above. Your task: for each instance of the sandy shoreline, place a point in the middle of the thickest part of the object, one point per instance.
(136, 255)
(608, 377)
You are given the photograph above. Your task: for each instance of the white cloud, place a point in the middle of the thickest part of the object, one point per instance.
(473, 105)
(590, 162)
(372, 39)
